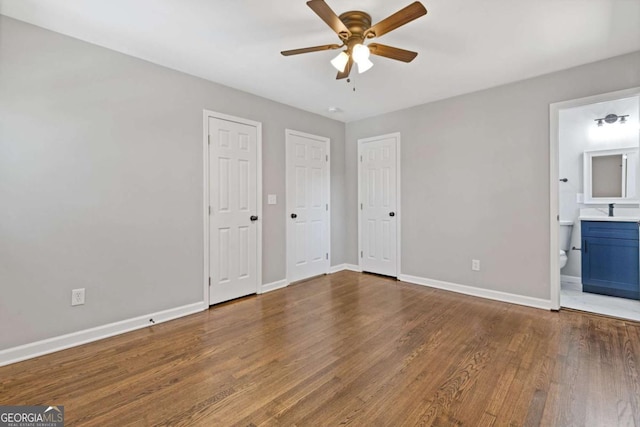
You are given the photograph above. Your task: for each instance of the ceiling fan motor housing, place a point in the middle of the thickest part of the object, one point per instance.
(357, 22)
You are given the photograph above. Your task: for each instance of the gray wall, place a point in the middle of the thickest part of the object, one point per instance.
(475, 178)
(101, 182)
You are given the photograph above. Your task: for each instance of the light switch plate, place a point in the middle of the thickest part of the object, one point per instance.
(271, 199)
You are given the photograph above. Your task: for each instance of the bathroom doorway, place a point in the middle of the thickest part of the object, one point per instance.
(585, 140)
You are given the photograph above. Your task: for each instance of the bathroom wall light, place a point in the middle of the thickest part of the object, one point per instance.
(611, 118)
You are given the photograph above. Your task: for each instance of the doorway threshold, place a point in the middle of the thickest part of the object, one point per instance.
(621, 308)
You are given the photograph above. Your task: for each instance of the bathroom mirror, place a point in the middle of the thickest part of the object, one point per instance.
(610, 176)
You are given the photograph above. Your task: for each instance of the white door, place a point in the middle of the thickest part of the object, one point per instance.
(379, 216)
(233, 214)
(307, 205)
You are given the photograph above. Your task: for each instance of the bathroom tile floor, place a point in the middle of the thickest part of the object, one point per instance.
(601, 304)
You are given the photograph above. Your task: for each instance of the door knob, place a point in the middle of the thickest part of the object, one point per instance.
(253, 218)
(392, 214)
(294, 216)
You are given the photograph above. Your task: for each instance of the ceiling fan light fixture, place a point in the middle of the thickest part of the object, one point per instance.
(364, 65)
(353, 28)
(360, 53)
(340, 61)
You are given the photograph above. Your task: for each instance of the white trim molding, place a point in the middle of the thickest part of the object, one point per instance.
(478, 292)
(62, 342)
(279, 284)
(337, 268)
(571, 282)
(342, 267)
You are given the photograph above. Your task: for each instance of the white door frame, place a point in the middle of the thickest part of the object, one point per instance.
(206, 115)
(554, 191)
(361, 142)
(327, 195)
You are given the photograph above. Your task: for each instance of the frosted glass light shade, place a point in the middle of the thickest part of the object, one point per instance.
(364, 65)
(360, 53)
(340, 61)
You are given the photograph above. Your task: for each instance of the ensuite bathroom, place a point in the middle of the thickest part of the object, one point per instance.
(599, 211)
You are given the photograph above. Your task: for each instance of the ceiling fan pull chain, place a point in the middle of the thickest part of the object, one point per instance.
(354, 82)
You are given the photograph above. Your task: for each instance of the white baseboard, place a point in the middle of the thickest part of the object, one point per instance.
(571, 282)
(353, 267)
(342, 267)
(478, 292)
(336, 268)
(274, 285)
(62, 342)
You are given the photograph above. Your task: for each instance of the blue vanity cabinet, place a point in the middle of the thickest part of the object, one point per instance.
(611, 258)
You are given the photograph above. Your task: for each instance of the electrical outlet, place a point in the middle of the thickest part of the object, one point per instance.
(77, 296)
(475, 264)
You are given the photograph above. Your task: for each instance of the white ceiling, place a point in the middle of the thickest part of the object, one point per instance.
(463, 45)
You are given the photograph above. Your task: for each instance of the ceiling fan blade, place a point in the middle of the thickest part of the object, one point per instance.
(327, 15)
(347, 69)
(404, 16)
(392, 52)
(310, 49)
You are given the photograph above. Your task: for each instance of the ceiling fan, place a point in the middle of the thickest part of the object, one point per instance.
(353, 28)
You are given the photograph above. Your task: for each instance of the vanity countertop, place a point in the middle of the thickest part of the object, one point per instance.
(619, 214)
(610, 218)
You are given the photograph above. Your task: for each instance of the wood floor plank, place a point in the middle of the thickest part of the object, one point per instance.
(348, 349)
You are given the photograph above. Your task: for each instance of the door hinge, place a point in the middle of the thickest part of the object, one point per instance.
(209, 281)
(360, 159)
(327, 206)
(326, 256)
(360, 254)
(209, 139)
(326, 157)
(209, 210)
(360, 206)
(557, 217)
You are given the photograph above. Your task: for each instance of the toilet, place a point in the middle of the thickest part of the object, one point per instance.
(565, 241)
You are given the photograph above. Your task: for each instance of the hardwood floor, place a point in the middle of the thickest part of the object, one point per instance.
(350, 349)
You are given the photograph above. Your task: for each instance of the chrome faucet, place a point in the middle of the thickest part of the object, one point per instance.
(611, 209)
